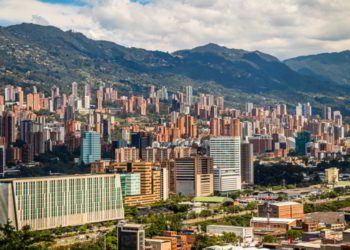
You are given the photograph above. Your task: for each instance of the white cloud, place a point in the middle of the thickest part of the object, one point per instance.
(284, 28)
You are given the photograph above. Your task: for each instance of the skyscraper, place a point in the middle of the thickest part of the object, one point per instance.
(74, 89)
(226, 154)
(194, 175)
(249, 107)
(90, 148)
(247, 167)
(9, 127)
(189, 95)
(300, 142)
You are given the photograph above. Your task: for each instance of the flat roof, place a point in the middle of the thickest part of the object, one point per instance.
(54, 177)
(227, 226)
(272, 220)
(213, 199)
(285, 203)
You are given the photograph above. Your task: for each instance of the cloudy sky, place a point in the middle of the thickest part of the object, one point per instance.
(284, 28)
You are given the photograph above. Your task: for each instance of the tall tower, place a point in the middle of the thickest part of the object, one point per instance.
(90, 148)
(226, 154)
(247, 167)
(74, 89)
(189, 95)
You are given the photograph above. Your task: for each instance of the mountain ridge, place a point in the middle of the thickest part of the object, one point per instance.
(31, 54)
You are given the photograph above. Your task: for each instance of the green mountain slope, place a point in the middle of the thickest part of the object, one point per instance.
(44, 55)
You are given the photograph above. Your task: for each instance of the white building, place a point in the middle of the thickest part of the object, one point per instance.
(246, 233)
(53, 201)
(226, 154)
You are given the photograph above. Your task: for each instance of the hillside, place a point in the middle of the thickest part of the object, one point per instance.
(44, 55)
(333, 67)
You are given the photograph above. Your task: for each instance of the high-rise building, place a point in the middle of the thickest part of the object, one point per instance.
(141, 141)
(261, 143)
(247, 167)
(327, 113)
(150, 181)
(299, 110)
(194, 176)
(2, 159)
(189, 95)
(300, 142)
(131, 236)
(226, 154)
(53, 201)
(249, 107)
(90, 149)
(9, 127)
(130, 184)
(74, 86)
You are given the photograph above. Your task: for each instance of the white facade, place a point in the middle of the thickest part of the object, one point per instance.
(246, 233)
(226, 154)
(53, 201)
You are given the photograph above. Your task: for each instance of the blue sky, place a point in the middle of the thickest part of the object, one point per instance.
(71, 2)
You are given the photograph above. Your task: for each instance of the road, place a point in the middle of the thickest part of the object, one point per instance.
(215, 217)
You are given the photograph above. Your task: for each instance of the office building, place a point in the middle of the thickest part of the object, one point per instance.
(249, 107)
(194, 176)
(301, 141)
(247, 166)
(90, 149)
(287, 210)
(158, 244)
(246, 233)
(54, 201)
(131, 236)
(150, 181)
(273, 226)
(189, 95)
(74, 86)
(9, 127)
(226, 154)
(130, 184)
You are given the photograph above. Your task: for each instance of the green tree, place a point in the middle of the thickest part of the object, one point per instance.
(24, 239)
(294, 234)
(230, 238)
(270, 239)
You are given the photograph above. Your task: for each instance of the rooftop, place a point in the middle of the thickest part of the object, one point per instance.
(285, 203)
(272, 220)
(212, 199)
(53, 177)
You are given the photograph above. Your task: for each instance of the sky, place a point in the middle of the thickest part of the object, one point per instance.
(283, 28)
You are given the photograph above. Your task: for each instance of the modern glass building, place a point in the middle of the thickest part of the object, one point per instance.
(301, 140)
(53, 201)
(226, 154)
(90, 148)
(131, 184)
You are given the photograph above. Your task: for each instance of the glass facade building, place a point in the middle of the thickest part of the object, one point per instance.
(90, 148)
(131, 184)
(226, 154)
(53, 201)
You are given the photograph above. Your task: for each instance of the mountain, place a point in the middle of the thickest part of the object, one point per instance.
(333, 67)
(45, 55)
